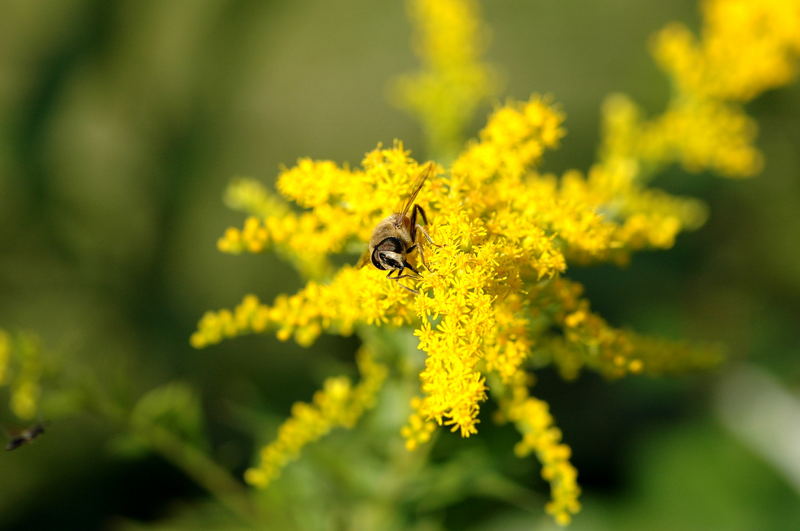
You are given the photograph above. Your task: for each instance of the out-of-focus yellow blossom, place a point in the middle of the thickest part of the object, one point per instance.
(453, 82)
(26, 389)
(418, 430)
(494, 302)
(270, 225)
(700, 134)
(578, 338)
(252, 197)
(338, 404)
(21, 370)
(745, 48)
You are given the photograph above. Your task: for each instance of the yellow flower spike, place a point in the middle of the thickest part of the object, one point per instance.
(588, 340)
(354, 296)
(737, 57)
(418, 430)
(249, 316)
(25, 398)
(513, 140)
(338, 404)
(540, 436)
(315, 183)
(702, 134)
(453, 81)
(253, 198)
(231, 241)
(23, 370)
(744, 48)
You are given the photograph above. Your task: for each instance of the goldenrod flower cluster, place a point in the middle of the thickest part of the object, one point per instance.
(419, 428)
(494, 304)
(453, 81)
(21, 369)
(745, 48)
(270, 224)
(584, 339)
(532, 418)
(504, 234)
(339, 403)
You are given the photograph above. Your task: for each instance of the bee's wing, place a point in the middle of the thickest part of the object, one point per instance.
(426, 172)
(364, 260)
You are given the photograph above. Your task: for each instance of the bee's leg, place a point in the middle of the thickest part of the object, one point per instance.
(421, 211)
(416, 247)
(422, 256)
(421, 247)
(415, 211)
(409, 266)
(400, 273)
(415, 292)
(406, 276)
(427, 236)
(412, 229)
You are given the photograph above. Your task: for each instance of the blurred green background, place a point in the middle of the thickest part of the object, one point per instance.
(121, 122)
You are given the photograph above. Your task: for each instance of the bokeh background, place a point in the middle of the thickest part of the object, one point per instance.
(121, 122)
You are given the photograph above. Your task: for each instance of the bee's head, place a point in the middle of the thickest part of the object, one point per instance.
(389, 254)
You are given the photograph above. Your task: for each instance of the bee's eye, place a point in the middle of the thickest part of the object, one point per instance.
(390, 262)
(377, 260)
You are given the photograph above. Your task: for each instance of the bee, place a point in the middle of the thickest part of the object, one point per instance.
(398, 235)
(24, 437)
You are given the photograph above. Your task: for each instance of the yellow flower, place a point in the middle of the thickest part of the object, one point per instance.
(453, 81)
(339, 403)
(746, 47)
(21, 369)
(584, 339)
(418, 430)
(493, 302)
(698, 133)
(540, 436)
(503, 233)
